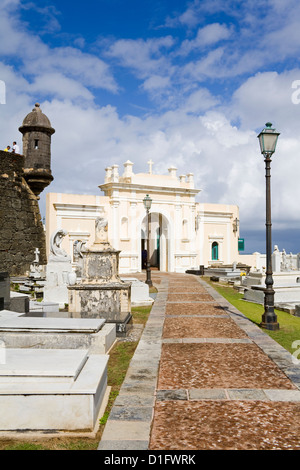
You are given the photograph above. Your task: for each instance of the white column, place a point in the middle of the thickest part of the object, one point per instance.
(116, 224)
(200, 239)
(192, 234)
(133, 233)
(229, 260)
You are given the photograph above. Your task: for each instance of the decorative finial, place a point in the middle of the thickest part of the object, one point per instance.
(37, 107)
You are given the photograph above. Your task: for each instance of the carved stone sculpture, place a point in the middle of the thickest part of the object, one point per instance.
(56, 252)
(101, 228)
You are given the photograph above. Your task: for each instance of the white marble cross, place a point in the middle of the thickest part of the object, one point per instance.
(150, 163)
(37, 258)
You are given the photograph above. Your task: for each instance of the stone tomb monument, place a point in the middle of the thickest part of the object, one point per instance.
(4, 291)
(59, 272)
(25, 332)
(286, 278)
(10, 300)
(101, 293)
(52, 390)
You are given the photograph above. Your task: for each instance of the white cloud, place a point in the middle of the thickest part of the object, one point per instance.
(206, 36)
(34, 58)
(199, 101)
(59, 86)
(192, 127)
(87, 69)
(267, 97)
(209, 66)
(143, 56)
(156, 82)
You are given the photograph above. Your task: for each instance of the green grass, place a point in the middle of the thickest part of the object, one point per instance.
(25, 446)
(140, 314)
(118, 363)
(289, 325)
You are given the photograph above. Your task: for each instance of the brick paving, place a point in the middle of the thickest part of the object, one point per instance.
(204, 378)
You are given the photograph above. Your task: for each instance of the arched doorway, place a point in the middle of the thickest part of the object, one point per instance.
(159, 237)
(215, 251)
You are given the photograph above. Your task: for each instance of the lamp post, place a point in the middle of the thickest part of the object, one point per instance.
(147, 204)
(268, 140)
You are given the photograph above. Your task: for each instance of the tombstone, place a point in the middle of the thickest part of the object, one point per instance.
(55, 389)
(56, 332)
(139, 292)
(9, 300)
(4, 291)
(35, 270)
(284, 262)
(59, 272)
(291, 264)
(101, 293)
(276, 260)
(285, 281)
(78, 248)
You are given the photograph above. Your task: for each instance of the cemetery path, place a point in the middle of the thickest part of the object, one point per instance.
(204, 377)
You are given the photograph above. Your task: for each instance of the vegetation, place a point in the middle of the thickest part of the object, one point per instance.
(140, 315)
(289, 330)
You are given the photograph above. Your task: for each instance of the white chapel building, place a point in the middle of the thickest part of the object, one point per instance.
(183, 233)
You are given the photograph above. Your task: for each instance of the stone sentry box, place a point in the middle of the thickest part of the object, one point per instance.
(101, 293)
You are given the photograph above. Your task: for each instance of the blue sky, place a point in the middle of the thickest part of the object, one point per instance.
(186, 83)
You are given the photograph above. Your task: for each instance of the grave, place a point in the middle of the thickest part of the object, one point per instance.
(4, 290)
(229, 272)
(10, 300)
(101, 293)
(9, 314)
(139, 292)
(41, 307)
(59, 272)
(286, 282)
(53, 333)
(52, 390)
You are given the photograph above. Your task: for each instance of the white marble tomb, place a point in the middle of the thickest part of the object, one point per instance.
(57, 333)
(53, 390)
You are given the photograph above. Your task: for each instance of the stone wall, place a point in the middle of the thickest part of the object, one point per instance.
(21, 228)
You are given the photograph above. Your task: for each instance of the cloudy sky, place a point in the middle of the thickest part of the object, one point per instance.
(186, 83)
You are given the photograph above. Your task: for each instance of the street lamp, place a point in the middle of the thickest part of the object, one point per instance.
(268, 140)
(147, 204)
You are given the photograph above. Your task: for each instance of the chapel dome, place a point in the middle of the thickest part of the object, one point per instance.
(37, 119)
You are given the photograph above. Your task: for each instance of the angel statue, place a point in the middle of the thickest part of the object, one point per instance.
(101, 235)
(56, 252)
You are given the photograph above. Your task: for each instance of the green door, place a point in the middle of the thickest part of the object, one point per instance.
(158, 247)
(215, 251)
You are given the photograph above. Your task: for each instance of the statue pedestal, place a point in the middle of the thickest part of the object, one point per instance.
(57, 280)
(101, 293)
(59, 272)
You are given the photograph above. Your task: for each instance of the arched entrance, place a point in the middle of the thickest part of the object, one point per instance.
(215, 251)
(159, 236)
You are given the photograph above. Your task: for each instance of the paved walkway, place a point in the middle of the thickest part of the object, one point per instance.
(203, 377)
